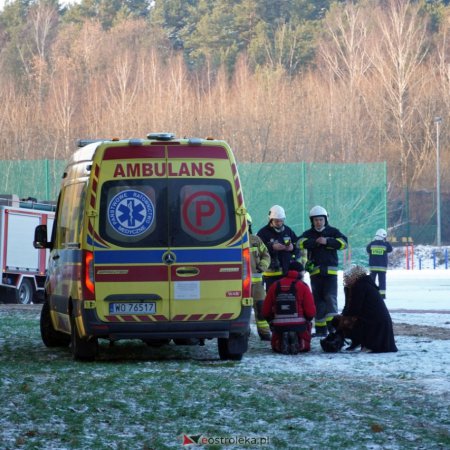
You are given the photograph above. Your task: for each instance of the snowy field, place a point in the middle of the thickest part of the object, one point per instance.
(417, 297)
(152, 398)
(414, 289)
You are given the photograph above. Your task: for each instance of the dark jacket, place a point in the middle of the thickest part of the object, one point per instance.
(363, 300)
(324, 257)
(378, 254)
(279, 259)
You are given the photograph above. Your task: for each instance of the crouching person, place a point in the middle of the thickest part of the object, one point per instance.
(365, 317)
(289, 308)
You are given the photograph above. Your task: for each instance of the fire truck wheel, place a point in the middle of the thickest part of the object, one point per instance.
(51, 337)
(82, 349)
(25, 293)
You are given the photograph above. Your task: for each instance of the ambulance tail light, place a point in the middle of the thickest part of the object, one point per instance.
(87, 276)
(246, 274)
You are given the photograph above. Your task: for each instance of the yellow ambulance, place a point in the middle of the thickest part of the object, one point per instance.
(149, 242)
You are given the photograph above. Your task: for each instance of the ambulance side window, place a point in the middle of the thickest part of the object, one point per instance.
(70, 215)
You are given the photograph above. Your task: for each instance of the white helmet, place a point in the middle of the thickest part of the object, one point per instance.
(381, 234)
(277, 212)
(318, 211)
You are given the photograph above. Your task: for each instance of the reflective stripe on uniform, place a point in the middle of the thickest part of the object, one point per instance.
(330, 271)
(272, 274)
(300, 243)
(342, 242)
(262, 325)
(288, 320)
(378, 250)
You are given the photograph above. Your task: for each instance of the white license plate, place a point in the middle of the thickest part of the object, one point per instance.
(132, 308)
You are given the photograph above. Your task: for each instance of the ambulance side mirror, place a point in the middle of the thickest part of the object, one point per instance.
(40, 237)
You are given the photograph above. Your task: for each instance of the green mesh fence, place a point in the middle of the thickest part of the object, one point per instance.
(37, 178)
(353, 194)
(274, 184)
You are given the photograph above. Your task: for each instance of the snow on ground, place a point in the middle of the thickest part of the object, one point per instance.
(422, 290)
(420, 369)
(420, 360)
(424, 360)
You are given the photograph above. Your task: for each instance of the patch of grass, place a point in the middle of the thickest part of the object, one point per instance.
(139, 397)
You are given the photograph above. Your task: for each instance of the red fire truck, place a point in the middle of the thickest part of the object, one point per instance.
(23, 266)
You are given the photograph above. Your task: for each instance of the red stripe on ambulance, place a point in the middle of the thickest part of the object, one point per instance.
(201, 152)
(211, 272)
(140, 318)
(120, 274)
(121, 153)
(201, 317)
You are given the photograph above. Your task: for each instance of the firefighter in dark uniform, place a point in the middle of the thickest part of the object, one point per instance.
(260, 261)
(322, 242)
(378, 251)
(280, 240)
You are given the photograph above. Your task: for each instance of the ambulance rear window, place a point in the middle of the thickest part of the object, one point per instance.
(167, 212)
(202, 213)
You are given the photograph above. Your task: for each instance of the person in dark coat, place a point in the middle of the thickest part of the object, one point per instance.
(372, 325)
(322, 243)
(280, 240)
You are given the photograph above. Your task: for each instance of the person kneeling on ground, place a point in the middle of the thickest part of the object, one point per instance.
(365, 318)
(289, 308)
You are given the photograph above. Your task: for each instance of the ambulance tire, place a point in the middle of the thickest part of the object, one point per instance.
(232, 348)
(50, 336)
(82, 349)
(25, 292)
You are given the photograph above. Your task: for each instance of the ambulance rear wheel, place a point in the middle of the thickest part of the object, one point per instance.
(50, 336)
(25, 293)
(82, 349)
(232, 348)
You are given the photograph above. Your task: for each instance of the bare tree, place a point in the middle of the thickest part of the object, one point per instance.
(398, 55)
(344, 53)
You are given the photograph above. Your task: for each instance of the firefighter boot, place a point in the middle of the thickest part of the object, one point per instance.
(294, 346)
(263, 330)
(321, 330)
(285, 343)
(261, 324)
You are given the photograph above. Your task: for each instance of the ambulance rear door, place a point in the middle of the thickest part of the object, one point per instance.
(130, 235)
(205, 235)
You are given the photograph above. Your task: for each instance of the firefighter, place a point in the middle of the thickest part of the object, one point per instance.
(378, 251)
(260, 261)
(289, 306)
(280, 241)
(322, 242)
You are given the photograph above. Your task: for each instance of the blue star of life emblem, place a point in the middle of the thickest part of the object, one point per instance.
(131, 213)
